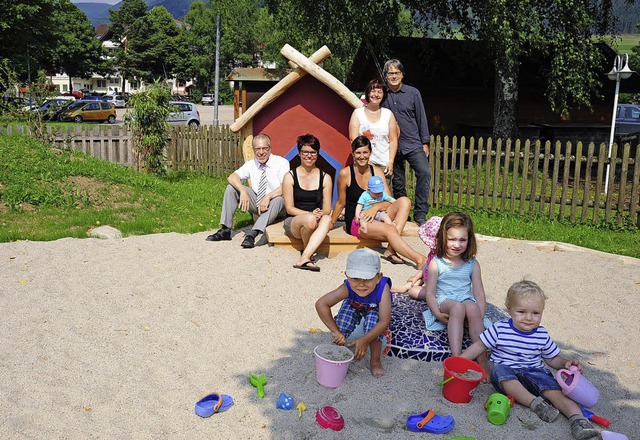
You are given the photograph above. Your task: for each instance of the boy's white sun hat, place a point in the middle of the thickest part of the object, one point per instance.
(363, 264)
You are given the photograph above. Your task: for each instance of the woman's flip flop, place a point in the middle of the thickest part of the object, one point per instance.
(393, 259)
(429, 421)
(213, 403)
(307, 265)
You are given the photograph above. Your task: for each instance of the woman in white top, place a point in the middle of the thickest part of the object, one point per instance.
(379, 125)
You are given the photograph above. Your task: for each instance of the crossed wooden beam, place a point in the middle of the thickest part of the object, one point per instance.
(302, 66)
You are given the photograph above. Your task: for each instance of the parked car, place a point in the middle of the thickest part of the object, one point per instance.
(181, 98)
(118, 101)
(90, 97)
(627, 119)
(51, 108)
(81, 111)
(207, 99)
(183, 113)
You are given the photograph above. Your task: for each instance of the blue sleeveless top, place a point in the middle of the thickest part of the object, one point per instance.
(370, 301)
(454, 282)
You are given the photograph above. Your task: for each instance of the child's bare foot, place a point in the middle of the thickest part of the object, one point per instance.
(402, 288)
(377, 370)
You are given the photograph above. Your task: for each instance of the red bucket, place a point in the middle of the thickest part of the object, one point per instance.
(461, 377)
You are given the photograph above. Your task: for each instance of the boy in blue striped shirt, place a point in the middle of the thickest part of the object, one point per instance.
(520, 351)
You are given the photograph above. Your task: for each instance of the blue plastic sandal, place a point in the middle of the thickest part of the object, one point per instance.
(213, 403)
(429, 421)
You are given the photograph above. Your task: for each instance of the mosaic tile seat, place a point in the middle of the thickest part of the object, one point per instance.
(408, 337)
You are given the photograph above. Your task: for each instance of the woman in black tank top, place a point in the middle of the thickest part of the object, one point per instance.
(307, 197)
(352, 182)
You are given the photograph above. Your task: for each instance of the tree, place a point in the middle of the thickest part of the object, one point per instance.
(78, 52)
(342, 26)
(27, 30)
(200, 38)
(509, 30)
(155, 46)
(512, 30)
(121, 19)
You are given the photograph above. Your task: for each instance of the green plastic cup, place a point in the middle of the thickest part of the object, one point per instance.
(498, 407)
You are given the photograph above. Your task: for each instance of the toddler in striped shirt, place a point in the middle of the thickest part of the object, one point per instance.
(521, 350)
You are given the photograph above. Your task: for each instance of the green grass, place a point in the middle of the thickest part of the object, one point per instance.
(47, 194)
(624, 43)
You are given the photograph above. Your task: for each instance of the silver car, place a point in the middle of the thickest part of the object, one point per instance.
(183, 113)
(117, 100)
(208, 99)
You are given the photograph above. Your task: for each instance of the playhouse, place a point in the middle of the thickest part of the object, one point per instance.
(307, 100)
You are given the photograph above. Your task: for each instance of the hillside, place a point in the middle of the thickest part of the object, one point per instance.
(98, 13)
(627, 16)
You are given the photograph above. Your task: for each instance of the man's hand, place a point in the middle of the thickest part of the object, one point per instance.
(263, 206)
(388, 171)
(425, 147)
(245, 201)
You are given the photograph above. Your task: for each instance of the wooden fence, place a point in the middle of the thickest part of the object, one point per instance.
(216, 151)
(559, 181)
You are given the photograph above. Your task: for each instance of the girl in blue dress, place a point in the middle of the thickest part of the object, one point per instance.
(454, 290)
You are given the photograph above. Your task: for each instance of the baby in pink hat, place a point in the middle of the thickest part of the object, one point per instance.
(427, 233)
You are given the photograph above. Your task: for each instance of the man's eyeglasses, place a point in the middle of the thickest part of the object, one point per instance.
(261, 149)
(392, 74)
(308, 153)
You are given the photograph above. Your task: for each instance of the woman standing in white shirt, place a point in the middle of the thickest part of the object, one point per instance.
(379, 125)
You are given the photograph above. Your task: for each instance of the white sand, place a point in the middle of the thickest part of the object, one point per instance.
(118, 339)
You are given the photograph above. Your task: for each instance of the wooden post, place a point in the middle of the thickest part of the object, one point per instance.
(273, 93)
(321, 75)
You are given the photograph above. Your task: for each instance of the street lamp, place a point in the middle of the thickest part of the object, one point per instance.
(619, 71)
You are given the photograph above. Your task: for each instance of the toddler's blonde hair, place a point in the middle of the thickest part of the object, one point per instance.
(524, 289)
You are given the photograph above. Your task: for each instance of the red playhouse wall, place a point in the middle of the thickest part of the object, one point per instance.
(308, 106)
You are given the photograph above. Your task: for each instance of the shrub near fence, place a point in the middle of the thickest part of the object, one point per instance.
(557, 180)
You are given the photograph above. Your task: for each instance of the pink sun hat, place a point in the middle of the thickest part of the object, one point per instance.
(429, 230)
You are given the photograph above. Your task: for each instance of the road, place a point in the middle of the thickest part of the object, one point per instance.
(225, 114)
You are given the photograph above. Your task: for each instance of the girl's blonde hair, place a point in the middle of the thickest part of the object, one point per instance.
(524, 289)
(456, 220)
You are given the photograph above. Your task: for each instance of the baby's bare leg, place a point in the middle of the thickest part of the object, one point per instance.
(384, 217)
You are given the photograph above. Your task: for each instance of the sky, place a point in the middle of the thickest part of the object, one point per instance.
(108, 2)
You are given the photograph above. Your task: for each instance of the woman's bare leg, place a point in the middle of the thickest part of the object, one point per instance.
(383, 232)
(398, 211)
(315, 239)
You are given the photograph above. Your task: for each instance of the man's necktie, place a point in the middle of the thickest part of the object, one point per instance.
(262, 186)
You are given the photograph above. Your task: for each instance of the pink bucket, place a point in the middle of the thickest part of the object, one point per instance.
(576, 387)
(332, 364)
